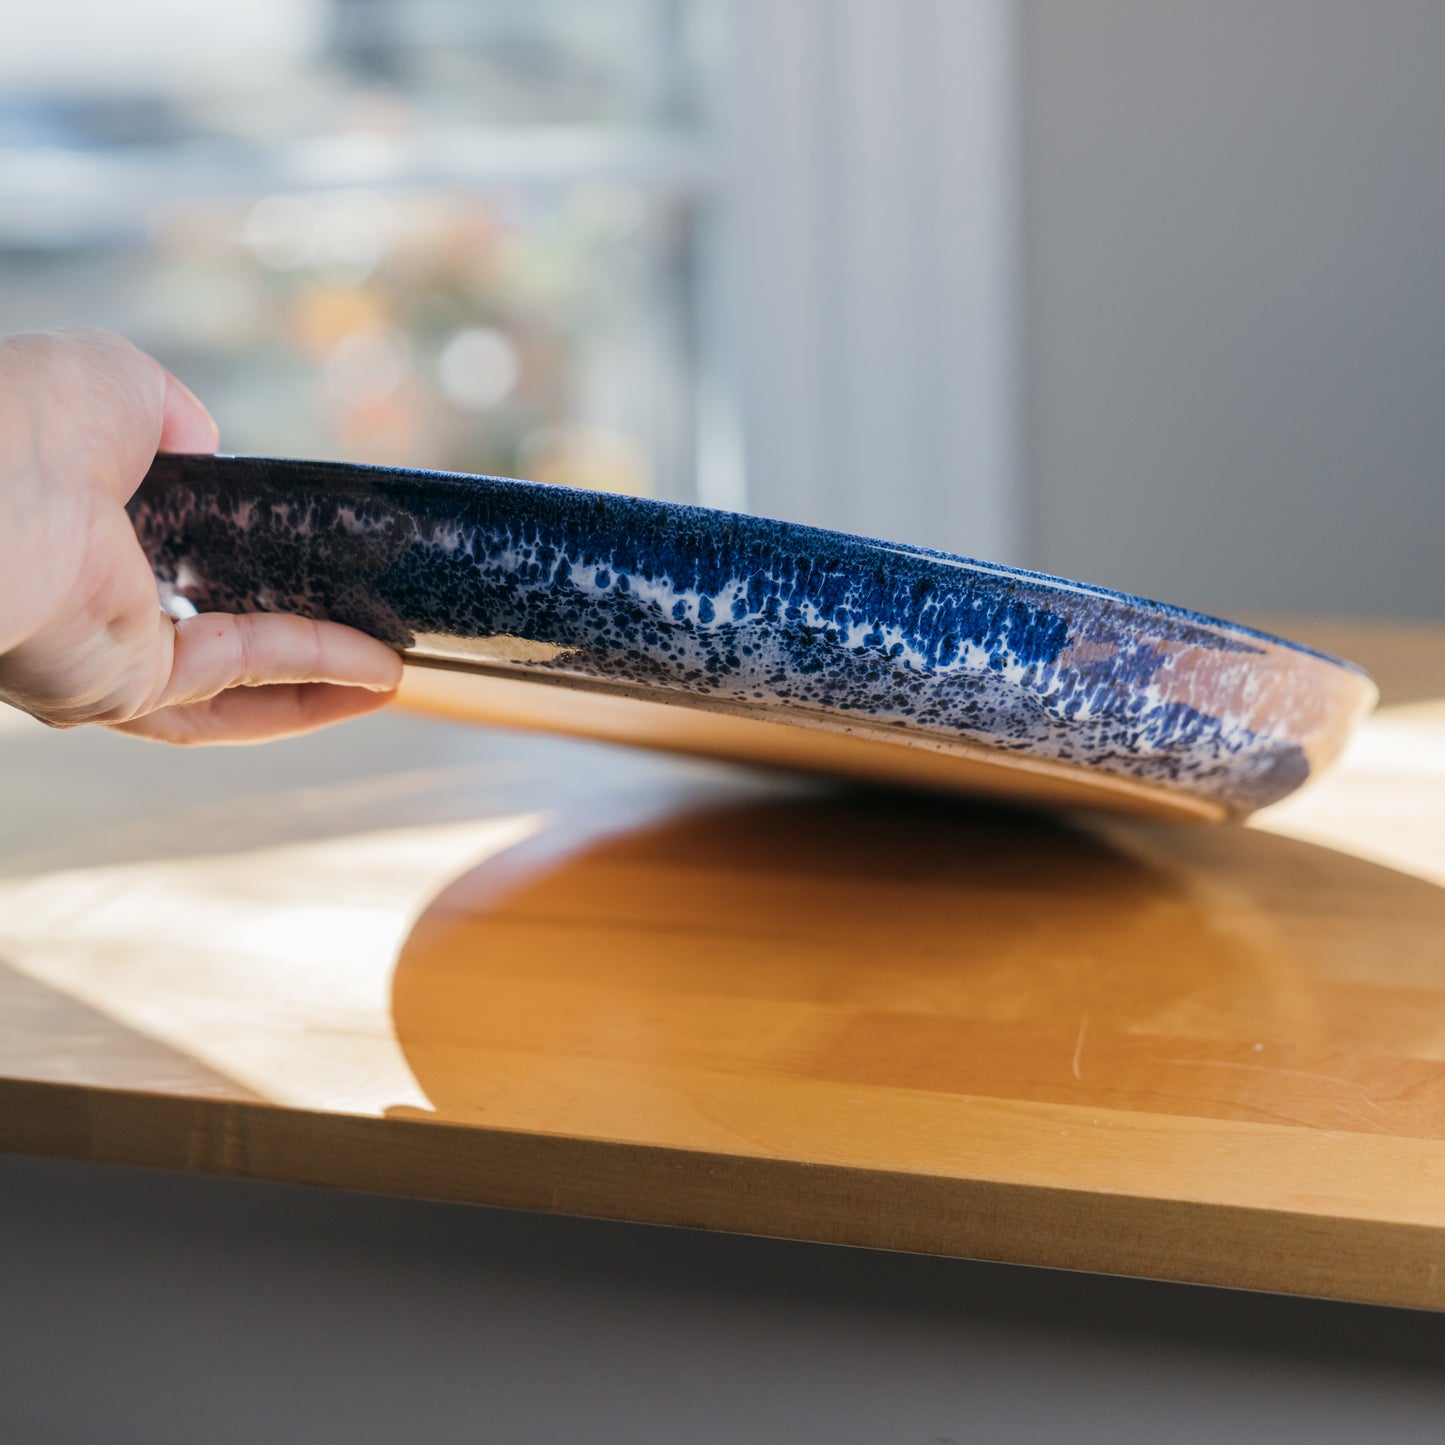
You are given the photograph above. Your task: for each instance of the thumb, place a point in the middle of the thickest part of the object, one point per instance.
(186, 425)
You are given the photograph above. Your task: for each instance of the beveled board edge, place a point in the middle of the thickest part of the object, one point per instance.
(1187, 1241)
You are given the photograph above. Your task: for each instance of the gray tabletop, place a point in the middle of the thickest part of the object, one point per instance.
(156, 1308)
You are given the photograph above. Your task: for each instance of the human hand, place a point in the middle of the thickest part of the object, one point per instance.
(82, 634)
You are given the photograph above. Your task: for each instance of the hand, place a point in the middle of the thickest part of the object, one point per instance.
(82, 634)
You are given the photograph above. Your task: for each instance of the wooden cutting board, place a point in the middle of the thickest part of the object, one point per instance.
(433, 960)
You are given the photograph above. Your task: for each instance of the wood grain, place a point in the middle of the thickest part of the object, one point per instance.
(545, 975)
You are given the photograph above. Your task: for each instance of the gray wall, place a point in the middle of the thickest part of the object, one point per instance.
(1234, 300)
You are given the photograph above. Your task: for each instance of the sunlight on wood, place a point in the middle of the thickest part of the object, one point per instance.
(273, 967)
(1385, 798)
(15, 723)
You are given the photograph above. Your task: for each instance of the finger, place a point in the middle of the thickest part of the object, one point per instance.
(186, 426)
(257, 714)
(217, 651)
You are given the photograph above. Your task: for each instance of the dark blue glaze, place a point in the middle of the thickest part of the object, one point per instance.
(739, 611)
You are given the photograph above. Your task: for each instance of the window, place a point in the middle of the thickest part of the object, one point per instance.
(746, 253)
(420, 232)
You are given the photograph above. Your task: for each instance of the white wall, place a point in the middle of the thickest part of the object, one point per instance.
(871, 320)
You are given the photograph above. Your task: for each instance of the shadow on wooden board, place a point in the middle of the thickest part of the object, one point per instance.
(888, 943)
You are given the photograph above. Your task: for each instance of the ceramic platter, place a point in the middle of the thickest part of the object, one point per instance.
(702, 631)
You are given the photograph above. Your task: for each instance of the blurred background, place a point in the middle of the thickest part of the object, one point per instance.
(1141, 291)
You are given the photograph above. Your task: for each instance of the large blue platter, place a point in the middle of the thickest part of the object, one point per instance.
(818, 649)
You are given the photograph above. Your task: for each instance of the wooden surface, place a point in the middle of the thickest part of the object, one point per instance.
(424, 959)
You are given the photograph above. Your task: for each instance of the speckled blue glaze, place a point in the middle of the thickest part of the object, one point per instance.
(739, 611)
